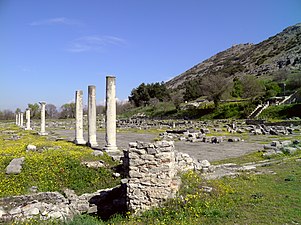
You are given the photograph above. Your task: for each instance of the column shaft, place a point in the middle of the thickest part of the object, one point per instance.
(21, 119)
(27, 116)
(79, 131)
(43, 132)
(110, 114)
(92, 116)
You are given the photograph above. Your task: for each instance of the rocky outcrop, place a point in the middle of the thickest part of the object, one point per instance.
(281, 51)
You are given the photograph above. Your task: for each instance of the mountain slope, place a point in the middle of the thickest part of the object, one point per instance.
(282, 51)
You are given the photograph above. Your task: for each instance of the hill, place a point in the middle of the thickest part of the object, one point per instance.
(279, 52)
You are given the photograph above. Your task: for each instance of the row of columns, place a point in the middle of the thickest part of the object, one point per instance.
(110, 116)
(110, 120)
(20, 123)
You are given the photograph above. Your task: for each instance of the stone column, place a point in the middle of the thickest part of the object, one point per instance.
(17, 119)
(110, 114)
(27, 116)
(92, 116)
(79, 132)
(21, 119)
(42, 132)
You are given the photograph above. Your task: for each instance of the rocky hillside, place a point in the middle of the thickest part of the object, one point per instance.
(280, 51)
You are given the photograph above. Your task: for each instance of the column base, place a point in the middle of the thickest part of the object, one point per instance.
(27, 128)
(43, 133)
(114, 152)
(80, 142)
(110, 148)
(92, 144)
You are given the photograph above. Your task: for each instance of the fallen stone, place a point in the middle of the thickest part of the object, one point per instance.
(31, 148)
(97, 153)
(2, 212)
(205, 163)
(93, 164)
(15, 166)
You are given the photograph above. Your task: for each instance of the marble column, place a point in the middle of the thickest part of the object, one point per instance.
(27, 116)
(21, 119)
(17, 119)
(92, 116)
(43, 132)
(79, 131)
(111, 114)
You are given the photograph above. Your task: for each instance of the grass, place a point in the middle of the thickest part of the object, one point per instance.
(280, 112)
(55, 166)
(246, 199)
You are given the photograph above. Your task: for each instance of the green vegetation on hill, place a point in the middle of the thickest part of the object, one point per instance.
(280, 112)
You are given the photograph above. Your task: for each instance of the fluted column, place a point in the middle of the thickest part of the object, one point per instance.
(79, 131)
(27, 116)
(92, 116)
(111, 114)
(17, 119)
(43, 123)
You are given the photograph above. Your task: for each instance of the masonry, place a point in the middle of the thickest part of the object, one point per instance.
(152, 170)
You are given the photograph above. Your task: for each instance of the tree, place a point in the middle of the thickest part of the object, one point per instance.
(7, 115)
(144, 93)
(237, 90)
(271, 89)
(122, 107)
(214, 87)
(35, 111)
(18, 110)
(193, 90)
(51, 111)
(294, 81)
(68, 110)
(251, 86)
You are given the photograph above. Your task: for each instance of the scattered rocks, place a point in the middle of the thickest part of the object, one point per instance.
(280, 147)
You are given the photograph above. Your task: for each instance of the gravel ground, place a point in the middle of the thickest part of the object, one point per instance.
(199, 150)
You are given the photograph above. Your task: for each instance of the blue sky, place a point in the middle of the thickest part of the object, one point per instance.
(50, 49)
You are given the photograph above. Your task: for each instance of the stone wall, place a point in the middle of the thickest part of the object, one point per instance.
(53, 205)
(152, 170)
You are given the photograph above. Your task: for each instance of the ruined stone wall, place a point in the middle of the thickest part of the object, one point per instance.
(152, 170)
(53, 205)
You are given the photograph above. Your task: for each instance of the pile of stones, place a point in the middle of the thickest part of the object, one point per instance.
(281, 147)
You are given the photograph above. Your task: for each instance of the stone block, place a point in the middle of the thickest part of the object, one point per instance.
(147, 157)
(135, 174)
(151, 151)
(31, 148)
(15, 166)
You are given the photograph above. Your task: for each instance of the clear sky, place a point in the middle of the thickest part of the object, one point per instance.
(51, 48)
